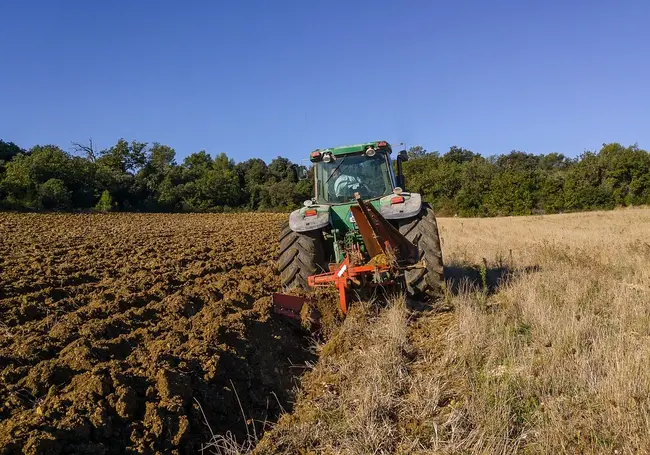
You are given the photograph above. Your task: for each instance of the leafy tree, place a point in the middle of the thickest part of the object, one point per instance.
(626, 171)
(8, 150)
(159, 162)
(417, 151)
(476, 180)
(459, 155)
(513, 193)
(197, 164)
(584, 185)
(253, 173)
(26, 172)
(124, 157)
(517, 161)
(279, 194)
(54, 195)
(282, 169)
(552, 193)
(553, 162)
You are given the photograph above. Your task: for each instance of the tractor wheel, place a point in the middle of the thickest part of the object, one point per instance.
(301, 255)
(422, 231)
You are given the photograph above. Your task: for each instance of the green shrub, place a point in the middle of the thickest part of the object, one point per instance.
(105, 203)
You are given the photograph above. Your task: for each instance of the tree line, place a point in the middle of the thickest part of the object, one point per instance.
(517, 183)
(136, 176)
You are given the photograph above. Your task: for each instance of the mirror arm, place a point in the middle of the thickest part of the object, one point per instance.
(400, 174)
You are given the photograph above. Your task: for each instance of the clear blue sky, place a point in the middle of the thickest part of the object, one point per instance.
(265, 78)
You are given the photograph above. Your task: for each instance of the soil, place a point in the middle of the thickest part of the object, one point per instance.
(118, 332)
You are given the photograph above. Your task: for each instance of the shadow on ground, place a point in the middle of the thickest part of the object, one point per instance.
(463, 278)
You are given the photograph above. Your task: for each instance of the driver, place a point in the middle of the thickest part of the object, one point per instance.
(347, 184)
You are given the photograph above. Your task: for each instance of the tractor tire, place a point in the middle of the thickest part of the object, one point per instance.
(422, 231)
(301, 254)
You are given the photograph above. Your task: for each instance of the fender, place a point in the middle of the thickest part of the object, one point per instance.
(409, 208)
(298, 222)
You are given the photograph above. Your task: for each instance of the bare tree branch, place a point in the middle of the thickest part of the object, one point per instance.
(87, 150)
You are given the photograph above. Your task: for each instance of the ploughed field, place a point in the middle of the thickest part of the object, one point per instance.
(124, 333)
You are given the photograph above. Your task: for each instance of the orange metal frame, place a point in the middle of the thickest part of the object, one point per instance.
(379, 237)
(345, 274)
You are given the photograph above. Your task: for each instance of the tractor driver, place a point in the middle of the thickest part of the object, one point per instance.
(345, 185)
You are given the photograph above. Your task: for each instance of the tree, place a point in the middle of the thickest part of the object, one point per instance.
(459, 155)
(159, 162)
(417, 151)
(54, 195)
(197, 163)
(475, 186)
(88, 151)
(282, 169)
(553, 162)
(124, 157)
(626, 171)
(252, 175)
(8, 150)
(517, 161)
(209, 184)
(25, 173)
(584, 187)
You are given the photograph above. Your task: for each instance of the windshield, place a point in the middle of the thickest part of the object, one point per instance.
(338, 180)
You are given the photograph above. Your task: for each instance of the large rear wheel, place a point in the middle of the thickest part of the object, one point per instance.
(301, 254)
(422, 231)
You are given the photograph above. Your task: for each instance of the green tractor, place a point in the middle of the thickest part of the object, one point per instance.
(352, 181)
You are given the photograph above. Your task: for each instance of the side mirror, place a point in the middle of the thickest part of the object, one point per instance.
(401, 157)
(301, 171)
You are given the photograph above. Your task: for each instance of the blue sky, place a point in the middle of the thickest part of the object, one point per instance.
(267, 78)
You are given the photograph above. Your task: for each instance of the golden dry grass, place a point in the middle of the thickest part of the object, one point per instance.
(556, 361)
(546, 350)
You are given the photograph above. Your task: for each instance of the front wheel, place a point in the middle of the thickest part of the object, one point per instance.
(422, 231)
(301, 254)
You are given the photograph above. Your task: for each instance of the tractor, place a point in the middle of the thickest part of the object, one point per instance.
(361, 229)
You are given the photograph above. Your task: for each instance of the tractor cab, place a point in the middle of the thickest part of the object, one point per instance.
(366, 169)
(336, 181)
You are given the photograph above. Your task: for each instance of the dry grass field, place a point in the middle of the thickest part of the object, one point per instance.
(542, 346)
(126, 333)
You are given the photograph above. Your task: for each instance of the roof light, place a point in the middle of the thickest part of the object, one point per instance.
(315, 156)
(370, 152)
(397, 200)
(382, 144)
(313, 212)
(327, 157)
